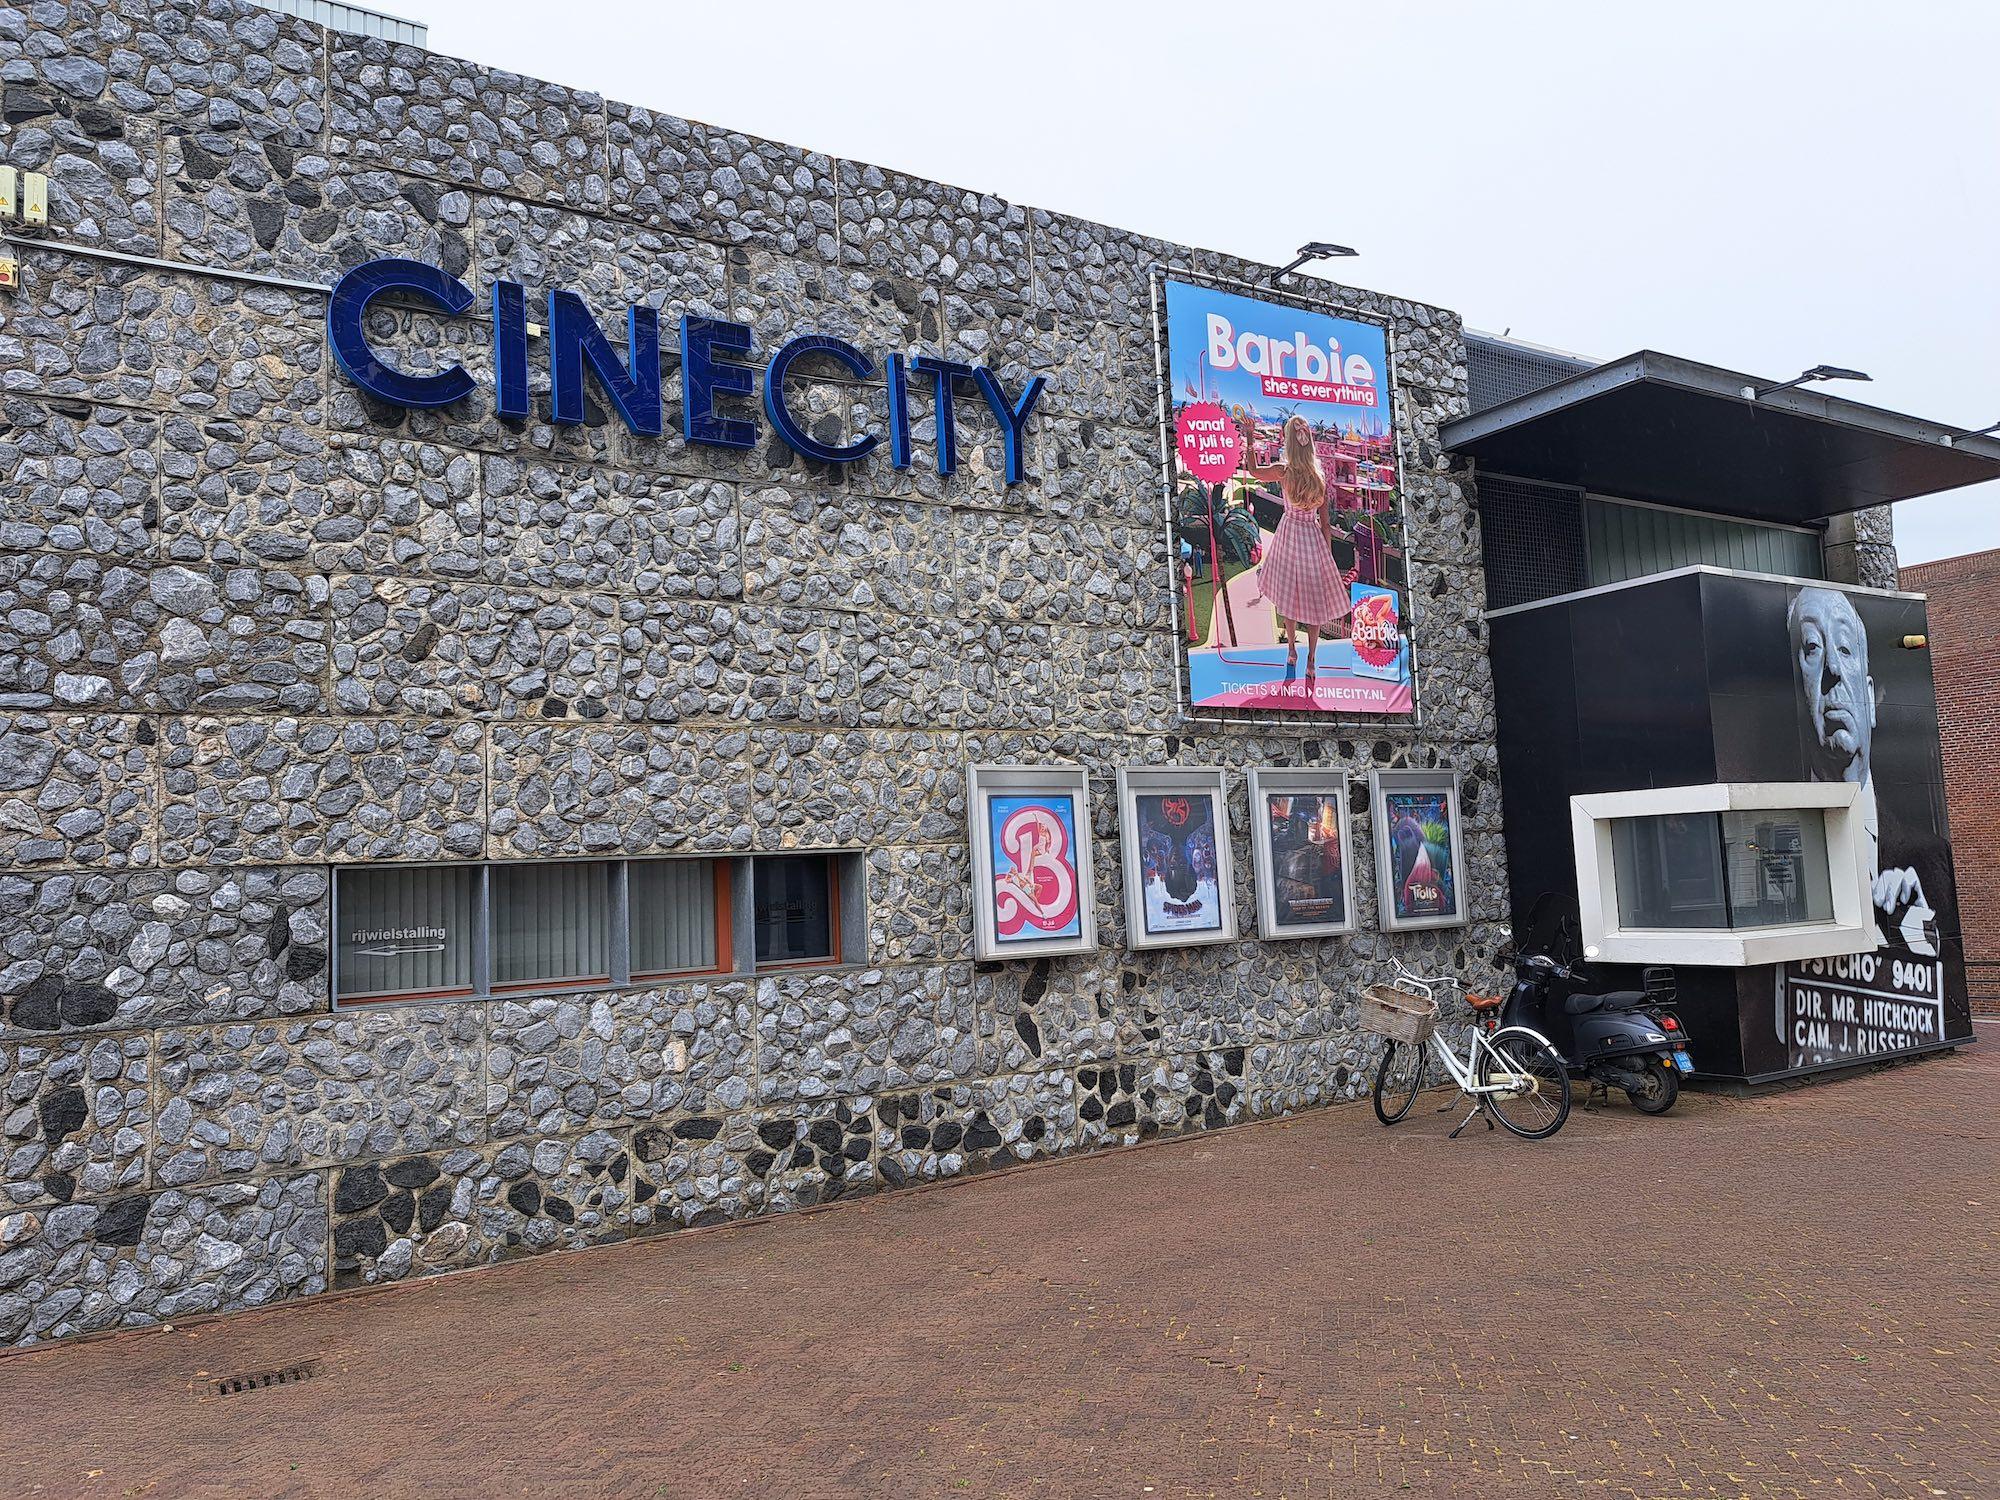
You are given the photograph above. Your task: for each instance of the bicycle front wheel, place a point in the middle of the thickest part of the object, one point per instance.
(1533, 1101)
(1399, 1080)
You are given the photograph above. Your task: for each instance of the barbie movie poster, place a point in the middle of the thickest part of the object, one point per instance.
(1286, 517)
(1177, 861)
(1035, 889)
(1422, 881)
(1308, 880)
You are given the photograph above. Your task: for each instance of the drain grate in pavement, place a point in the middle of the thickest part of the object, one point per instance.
(257, 1380)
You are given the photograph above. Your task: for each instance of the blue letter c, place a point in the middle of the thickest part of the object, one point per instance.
(348, 306)
(796, 437)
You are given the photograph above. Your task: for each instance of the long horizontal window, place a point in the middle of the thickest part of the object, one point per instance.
(1717, 870)
(411, 932)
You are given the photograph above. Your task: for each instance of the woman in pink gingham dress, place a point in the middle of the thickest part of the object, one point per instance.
(1298, 575)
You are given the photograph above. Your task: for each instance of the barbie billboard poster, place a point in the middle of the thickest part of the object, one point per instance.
(1285, 516)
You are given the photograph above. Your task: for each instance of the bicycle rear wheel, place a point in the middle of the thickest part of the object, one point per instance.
(1537, 1101)
(1399, 1079)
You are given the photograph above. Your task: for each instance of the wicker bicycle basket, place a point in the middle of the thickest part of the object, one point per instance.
(1397, 1014)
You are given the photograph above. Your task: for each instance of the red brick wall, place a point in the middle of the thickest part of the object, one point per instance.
(1965, 630)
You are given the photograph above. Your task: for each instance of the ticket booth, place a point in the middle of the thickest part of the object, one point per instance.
(1718, 743)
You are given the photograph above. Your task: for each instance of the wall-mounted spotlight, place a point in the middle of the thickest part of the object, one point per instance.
(1314, 250)
(1951, 437)
(1806, 377)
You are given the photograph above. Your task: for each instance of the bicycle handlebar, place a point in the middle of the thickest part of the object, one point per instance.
(1405, 975)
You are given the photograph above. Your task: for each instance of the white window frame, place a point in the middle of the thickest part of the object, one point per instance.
(1851, 929)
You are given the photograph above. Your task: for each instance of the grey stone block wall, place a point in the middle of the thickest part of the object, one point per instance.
(254, 626)
(1860, 547)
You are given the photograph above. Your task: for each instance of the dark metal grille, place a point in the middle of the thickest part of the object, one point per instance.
(257, 1380)
(1533, 536)
(1500, 370)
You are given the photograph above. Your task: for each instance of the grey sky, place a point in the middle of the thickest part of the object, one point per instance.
(1761, 185)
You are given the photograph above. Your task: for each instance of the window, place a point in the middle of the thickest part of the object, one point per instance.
(407, 932)
(420, 932)
(1669, 871)
(1730, 869)
(551, 925)
(795, 905)
(1728, 874)
(1777, 867)
(679, 916)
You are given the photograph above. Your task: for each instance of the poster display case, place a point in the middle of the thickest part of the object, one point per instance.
(1033, 894)
(1419, 849)
(1300, 847)
(1180, 885)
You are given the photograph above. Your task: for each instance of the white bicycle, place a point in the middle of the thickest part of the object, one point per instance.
(1511, 1074)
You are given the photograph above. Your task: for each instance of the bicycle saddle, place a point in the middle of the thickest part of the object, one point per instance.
(1484, 1003)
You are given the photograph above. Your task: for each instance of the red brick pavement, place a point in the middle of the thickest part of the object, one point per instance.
(1789, 1296)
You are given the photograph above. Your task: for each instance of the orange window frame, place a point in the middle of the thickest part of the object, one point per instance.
(725, 931)
(398, 997)
(833, 957)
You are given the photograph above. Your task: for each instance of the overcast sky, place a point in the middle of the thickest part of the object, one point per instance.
(1759, 185)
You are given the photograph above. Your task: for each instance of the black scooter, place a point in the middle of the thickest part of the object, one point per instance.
(1628, 1039)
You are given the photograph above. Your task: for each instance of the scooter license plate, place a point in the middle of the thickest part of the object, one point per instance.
(1683, 1062)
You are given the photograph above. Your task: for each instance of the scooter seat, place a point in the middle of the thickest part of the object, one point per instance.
(1583, 1005)
(1628, 1000)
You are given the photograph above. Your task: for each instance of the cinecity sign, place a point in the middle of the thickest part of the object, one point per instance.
(713, 355)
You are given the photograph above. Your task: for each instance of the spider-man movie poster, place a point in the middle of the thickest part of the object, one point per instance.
(1177, 858)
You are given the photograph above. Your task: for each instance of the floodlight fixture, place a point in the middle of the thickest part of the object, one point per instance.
(1806, 377)
(1315, 250)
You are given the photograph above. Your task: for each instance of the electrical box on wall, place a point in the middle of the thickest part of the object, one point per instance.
(24, 196)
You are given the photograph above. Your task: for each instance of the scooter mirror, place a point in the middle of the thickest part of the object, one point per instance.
(1590, 950)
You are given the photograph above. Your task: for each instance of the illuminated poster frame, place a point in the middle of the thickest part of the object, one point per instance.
(1411, 862)
(1268, 785)
(1174, 834)
(1034, 888)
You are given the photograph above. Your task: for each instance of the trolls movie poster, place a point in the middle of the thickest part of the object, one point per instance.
(1422, 882)
(1313, 618)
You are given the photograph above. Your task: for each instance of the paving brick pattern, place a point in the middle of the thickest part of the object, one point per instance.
(1791, 1296)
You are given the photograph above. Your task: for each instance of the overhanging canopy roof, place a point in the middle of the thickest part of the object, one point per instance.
(1653, 427)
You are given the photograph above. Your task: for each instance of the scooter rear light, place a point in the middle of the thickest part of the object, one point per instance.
(1668, 1023)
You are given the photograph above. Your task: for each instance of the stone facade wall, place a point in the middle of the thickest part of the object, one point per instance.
(254, 626)
(1860, 547)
